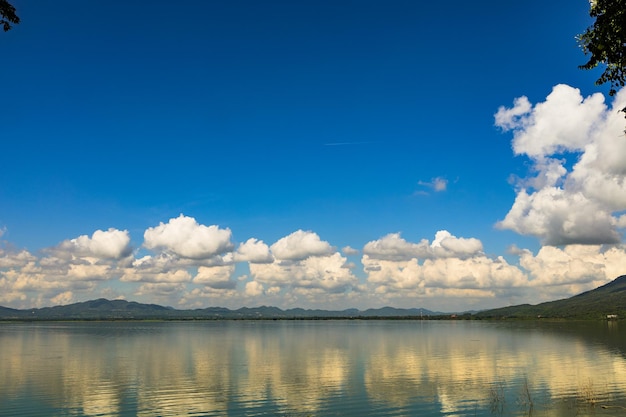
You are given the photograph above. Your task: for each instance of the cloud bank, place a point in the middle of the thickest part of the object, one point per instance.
(576, 193)
(446, 273)
(573, 200)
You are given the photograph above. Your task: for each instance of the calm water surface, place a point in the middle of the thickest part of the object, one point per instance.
(313, 368)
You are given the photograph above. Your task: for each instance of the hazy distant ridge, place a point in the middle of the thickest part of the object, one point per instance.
(595, 304)
(122, 309)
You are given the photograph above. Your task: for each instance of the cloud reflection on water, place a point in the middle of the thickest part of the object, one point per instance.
(238, 368)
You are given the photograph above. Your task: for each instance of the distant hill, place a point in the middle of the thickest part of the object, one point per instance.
(103, 309)
(595, 304)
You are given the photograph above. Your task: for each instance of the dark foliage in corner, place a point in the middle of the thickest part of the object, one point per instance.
(7, 15)
(605, 41)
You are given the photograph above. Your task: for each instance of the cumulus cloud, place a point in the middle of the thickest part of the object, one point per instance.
(110, 244)
(66, 297)
(328, 273)
(452, 271)
(393, 247)
(478, 272)
(39, 281)
(446, 245)
(348, 250)
(217, 277)
(300, 245)
(87, 272)
(559, 218)
(447, 273)
(253, 289)
(170, 291)
(445, 284)
(511, 118)
(9, 259)
(184, 237)
(153, 264)
(73, 266)
(254, 251)
(576, 191)
(564, 122)
(165, 276)
(575, 264)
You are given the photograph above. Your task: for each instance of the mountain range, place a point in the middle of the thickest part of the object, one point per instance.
(609, 299)
(103, 309)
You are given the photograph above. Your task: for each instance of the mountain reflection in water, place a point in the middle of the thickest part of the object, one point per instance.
(298, 368)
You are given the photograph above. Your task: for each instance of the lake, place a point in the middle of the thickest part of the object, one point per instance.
(313, 368)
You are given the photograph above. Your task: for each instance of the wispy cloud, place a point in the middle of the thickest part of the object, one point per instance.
(437, 184)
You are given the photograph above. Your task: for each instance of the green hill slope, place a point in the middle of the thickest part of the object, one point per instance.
(594, 304)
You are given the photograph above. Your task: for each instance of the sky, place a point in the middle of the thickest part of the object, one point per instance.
(316, 154)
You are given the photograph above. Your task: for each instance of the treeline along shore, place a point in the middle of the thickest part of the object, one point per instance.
(602, 303)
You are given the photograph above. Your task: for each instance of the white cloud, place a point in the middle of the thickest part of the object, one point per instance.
(15, 259)
(564, 122)
(478, 272)
(64, 298)
(446, 245)
(577, 190)
(448, 274)
(152, 264)
(73, 266)
(184, 237)
(200, 297)
(110, 244)
(593, 265)
(392, 247)
(327, 273)
(300, 245)
(168, 292)
(437, 184)
(37, 283)
(559, 218)
(164, 267)
(169, 276)
(511, 118)
(218, 277)
(254, 251)
(440, 184)
(254, 289)
(348, 250)
(88, 272)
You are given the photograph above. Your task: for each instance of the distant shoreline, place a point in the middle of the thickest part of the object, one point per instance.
(265, 319)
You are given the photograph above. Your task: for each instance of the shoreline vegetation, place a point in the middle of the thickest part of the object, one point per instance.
(446, 317)
(607, 302)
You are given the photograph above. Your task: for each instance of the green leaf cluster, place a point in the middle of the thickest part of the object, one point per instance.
(7, 15)
(605, 42)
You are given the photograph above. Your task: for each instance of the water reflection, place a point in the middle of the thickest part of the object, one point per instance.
(298, 371)
(469, 362)
(309, 368)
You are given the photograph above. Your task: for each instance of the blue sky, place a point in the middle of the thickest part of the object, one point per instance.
(144, 144)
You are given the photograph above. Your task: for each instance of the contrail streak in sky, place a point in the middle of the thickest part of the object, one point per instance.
(346, 143)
